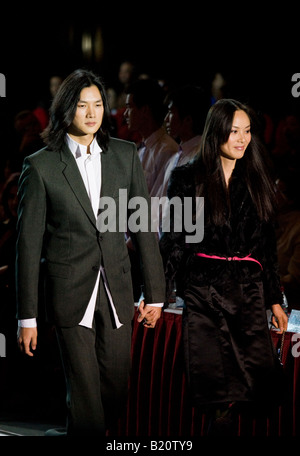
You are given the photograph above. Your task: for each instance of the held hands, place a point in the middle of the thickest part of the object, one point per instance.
(279, 318)
(148, 315)
(27, 340)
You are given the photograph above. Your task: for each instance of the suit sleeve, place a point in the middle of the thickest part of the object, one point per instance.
(147, 243)
(30, 234)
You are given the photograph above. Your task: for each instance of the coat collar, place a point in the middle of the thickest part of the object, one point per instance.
(109, 181)
(72, 174)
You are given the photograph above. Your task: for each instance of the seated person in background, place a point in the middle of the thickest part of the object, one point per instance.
(127, 73)
(145, 112)
(187, 110)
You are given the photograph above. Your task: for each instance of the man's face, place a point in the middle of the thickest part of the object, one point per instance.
(88, 116)
(173, 121)
(133, 115)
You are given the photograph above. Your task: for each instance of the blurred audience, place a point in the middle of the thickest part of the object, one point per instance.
(28, 135)
(185, 118)
(41, 111)
(288, 235)
(286, 150)
(218, 87)
(145, 112)
(144, 115)
(117, 101)
(127, 74)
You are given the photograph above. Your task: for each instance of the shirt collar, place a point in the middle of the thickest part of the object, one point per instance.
(79, 150)
(154, 137)
(190, 145)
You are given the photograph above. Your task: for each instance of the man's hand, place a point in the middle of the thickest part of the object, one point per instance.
(148, 315)
(27, 340)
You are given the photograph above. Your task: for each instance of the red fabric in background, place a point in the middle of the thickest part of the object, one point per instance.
(158, 403)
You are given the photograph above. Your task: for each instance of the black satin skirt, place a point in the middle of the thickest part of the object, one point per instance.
(228, 349)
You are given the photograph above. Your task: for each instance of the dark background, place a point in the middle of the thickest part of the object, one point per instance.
(255, 48)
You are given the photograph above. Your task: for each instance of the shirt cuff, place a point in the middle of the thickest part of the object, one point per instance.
(156, 304)
(27, 323)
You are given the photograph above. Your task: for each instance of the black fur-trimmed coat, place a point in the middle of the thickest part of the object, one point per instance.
(243, 234)
(228, 350)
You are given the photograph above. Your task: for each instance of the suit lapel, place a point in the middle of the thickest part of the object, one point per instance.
(74, 179)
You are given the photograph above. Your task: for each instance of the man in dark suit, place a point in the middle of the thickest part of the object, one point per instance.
(88, 285)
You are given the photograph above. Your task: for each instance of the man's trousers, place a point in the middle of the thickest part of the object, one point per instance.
(97, 365)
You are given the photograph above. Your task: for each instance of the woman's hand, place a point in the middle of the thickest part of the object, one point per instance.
(279, 318)
(148, 315)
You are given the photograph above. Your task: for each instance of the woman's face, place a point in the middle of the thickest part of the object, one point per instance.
(239, 138)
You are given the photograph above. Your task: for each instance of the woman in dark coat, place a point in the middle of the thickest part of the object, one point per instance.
(229, 279)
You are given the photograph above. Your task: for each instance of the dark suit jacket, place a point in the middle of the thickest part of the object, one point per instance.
(56, 222)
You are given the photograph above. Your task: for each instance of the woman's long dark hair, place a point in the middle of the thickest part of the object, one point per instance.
(63, 108)
(253, 167)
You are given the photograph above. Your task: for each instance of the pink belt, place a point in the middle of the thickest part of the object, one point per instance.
(215, 257)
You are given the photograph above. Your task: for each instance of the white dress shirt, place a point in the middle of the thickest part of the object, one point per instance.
(158, 148)
(89, 165)
(187, 151)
